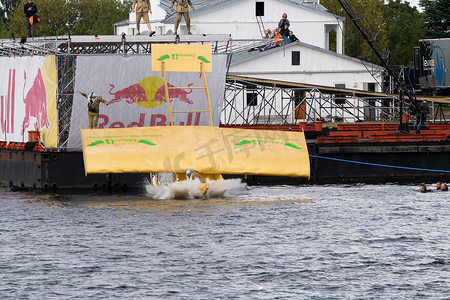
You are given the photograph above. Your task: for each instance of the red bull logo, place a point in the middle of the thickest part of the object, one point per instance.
(149, 93)
(36, 102)
(133, 93)
(7, 104)
(174, 93)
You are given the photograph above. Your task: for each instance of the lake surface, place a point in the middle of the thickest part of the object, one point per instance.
(285, 242)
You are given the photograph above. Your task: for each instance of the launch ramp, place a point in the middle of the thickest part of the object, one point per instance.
(206, 149)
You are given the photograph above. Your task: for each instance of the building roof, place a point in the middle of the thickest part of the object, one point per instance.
(322, 88)
(244, 56)
(122, 23)
(435, 99)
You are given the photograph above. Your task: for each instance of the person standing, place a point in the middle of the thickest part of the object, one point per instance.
(30, 9)
(421, 116)
(182, 10)
(93, 108)
(284, 20)
(142, 8)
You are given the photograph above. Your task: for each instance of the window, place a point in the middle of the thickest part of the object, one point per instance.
(295, 58)
(252, 99)
(259, 9)
(332, 44)
(331, 37)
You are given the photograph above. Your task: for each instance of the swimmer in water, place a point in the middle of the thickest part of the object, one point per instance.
(423, 188)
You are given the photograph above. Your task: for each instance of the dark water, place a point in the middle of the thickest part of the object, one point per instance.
(284, 242)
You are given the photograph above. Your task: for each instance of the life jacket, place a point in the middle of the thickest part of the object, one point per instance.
(34, 19)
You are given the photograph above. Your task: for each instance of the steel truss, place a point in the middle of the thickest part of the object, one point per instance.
(247, 103)
(109, 44)
(67, 48)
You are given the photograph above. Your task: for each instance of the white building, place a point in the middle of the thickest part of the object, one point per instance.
(303, 63)
(244, 19)
(309, 61)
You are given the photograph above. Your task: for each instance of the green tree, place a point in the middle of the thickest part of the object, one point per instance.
(394, 27)
(97, 16)
(74, 17)
(370, 14)
(403, 27)
(6, 7)
(437, 18)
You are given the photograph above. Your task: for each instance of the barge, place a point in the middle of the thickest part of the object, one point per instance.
(343, 153)
(358, 139)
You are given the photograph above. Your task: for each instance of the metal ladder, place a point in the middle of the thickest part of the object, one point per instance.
(260, 25)
(204, 87)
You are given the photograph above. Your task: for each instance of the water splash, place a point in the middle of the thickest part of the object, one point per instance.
(191, 189)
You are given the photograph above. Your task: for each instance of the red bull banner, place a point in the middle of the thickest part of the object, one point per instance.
(28, 98)
(136, 95)
(206, 149)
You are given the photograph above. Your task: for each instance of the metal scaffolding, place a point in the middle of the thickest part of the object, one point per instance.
(67, 48)
(246, 102)
(264, 102)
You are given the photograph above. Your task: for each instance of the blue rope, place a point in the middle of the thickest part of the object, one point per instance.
(379, 165)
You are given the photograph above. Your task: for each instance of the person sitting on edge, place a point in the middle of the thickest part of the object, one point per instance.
(268, 34)
(283, 21)
(444, 187)
(182, 10)
(285, 31)
(93, 108)
(142, 8)
(292, 37)
(276, 41)
(270, 44)
(423, 188)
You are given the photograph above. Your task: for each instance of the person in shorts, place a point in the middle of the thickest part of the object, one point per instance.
(182, 10)
(142, 8)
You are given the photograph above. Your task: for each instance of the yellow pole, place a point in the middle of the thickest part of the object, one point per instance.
(163, 71)
(202, 74)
